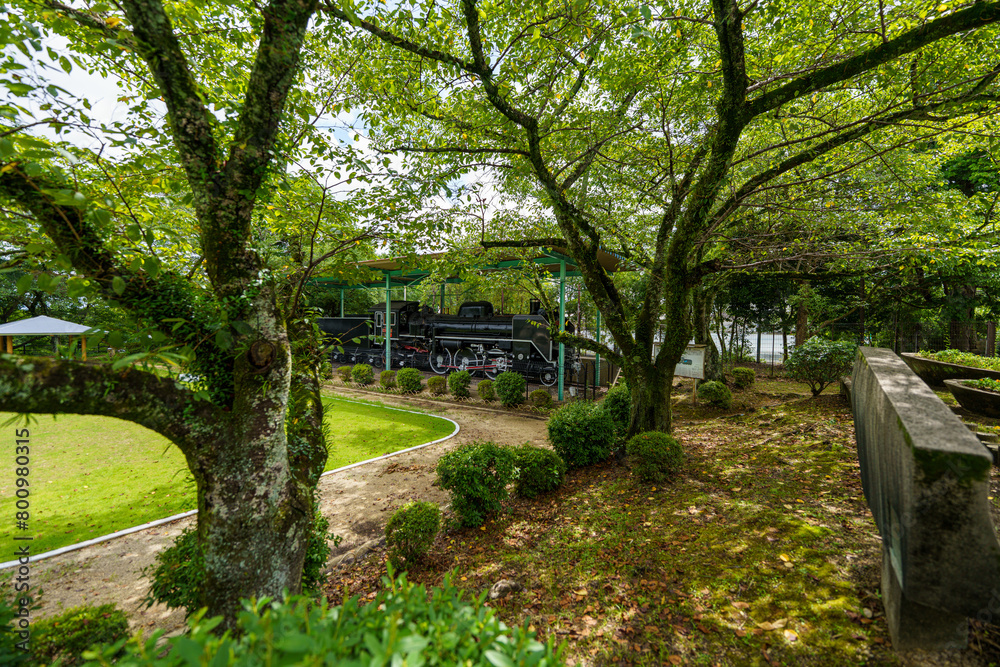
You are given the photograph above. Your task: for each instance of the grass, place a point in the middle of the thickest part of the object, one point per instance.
(90, 476)
(761, 551)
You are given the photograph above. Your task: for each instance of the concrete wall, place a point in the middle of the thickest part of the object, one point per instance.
(926, 479)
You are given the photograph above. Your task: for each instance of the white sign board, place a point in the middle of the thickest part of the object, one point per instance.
(692, 363)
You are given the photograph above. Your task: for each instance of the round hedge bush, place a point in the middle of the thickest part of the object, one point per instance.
(540, 398)
(345, 374)
(485, 390)
(509, 388)
(410, 380)
(65, 637)
(387, 379)
(363, 374)
(715, 393)
(654, 456)
(618, 405)
(458, 383)
(743, 378)
(476, 474)
(411, 531)
(582, 433)
(437, 385)
(820, 362)
(539, 470)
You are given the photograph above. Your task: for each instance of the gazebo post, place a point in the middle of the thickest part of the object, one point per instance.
(388, 329)
(341, 301)
(9, 344)
(597, 362)
(83, 348)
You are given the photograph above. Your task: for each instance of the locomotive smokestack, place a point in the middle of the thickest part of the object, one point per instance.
(534, 306)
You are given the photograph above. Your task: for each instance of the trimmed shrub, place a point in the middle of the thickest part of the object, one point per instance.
(743, 378)
(509, 387)
(437, 385)
(476, 475)
(715, 393)
(820, 362)
(485, 390)
(403, 624)
(387, 379)
(654, 456)
(410, 380)
(539, 470)
(540, 398)
(345, 373)
(363, 374)
(618, 405)
(65, 637)
(582, 433)
(458, 383)
(178, 571)
(411, 531)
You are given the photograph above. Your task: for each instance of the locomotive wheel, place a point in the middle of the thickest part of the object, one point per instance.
(376, 361)
(465, 358)
(549, 376)
(440, 360)
(500, 363)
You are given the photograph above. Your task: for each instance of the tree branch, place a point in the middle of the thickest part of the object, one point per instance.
(975, 16)
(586, 344)
(47, 386)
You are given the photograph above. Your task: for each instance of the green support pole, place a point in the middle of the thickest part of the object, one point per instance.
(597, 363)
(562, 324)
(388, 329)
(341, 301)
(442, 299)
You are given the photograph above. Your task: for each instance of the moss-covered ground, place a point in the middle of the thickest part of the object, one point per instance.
(760, 551)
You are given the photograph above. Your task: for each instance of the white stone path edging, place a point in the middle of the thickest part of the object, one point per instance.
(152, 524)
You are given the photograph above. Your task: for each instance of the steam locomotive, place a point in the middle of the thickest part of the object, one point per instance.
(476, 339)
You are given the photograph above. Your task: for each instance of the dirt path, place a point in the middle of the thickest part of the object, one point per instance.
(358, 502)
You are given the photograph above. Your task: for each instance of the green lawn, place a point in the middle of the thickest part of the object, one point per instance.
(90, 476)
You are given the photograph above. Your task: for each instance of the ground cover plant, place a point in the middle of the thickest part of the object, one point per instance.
(95, 475)
(963, 358)
(759, 551)
(986, 384)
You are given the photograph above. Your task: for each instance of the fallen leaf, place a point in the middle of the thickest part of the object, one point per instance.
(791, 635)
(741, 605)
(675, 659)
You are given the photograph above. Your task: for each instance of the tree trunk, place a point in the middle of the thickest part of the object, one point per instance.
(802, 316)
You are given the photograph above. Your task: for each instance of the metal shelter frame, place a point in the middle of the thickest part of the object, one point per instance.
(553, 260)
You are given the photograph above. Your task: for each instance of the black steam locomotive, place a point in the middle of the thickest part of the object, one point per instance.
(476, 340)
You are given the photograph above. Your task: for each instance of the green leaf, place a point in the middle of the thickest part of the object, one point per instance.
(133, 232)
(647, 15)
(223, 339)
(118, 285)
(24, 283)
(498, 659)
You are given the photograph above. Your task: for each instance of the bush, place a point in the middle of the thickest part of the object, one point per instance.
(715, 393)
(509, 387)
(345, 374)
(363, 374)
(387, 379)
(403, 624)
(963, 358)
(743, 378)
(582, 433)
(179, 569)
(539, 470)
(410, 380)
(820, 362)
(654, 455)
(411, 531)
(458, 383)
(485, 390)
(10, 630)
(540, 398)
(618, 405)
(984, 384)
(437, 385)
(476, 475)
(68, 635)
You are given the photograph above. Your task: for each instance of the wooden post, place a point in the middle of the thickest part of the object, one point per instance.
(694, 392)
(9, 344)
(83, 348)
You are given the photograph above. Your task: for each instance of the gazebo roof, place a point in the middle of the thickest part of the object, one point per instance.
(42, 326)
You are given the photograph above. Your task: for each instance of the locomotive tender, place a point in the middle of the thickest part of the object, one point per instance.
(476, 340)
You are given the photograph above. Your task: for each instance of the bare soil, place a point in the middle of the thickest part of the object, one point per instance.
(358, 502)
